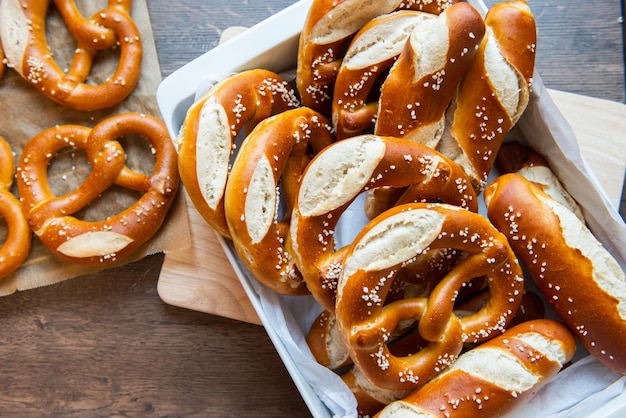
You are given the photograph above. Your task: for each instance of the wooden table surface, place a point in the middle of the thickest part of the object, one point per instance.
(106, 345)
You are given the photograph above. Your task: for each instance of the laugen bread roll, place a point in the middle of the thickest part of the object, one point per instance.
(422, 82)
(494, 378)
(493, 93)
(515, 157)
(577, 275)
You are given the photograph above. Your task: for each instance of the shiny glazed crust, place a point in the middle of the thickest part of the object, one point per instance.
(23, 33)
(494, 378)
(52, 217)
(576, 274)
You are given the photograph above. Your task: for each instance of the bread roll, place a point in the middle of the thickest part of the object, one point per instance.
(580, 279)
(494, 378)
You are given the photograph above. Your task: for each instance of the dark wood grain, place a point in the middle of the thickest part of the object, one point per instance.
(106, 345)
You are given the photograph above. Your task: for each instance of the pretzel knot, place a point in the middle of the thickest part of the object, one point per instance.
(339, 174)
(18, 241)
(26, 48)
(381, 249)
(116, 237)
(212, 124)
(275, 153)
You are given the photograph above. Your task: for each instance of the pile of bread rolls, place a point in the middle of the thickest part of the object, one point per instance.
(426, 312)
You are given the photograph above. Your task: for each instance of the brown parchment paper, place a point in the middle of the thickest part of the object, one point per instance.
(25, 112)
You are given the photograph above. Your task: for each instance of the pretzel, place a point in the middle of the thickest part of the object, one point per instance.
(17, 245)
(328, 349)
(211, 125)
(337, 175)
(115, 238)
(422, 82)
(383, 247)
(275, 152)
(494, 91)
(369, 56)
(3, 65)
(323, 338)
(327, 30)
(580, 279)
(495, 378)
(23, 32)
(514, 157)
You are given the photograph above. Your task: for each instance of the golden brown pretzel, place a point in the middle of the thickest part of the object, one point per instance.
(335, 178)
(98, 242)
(580, 279)
(212, 123)
(86, 30)
(16, 247)
(23, 26)
(370, 54)
(276, 151)
(381, 249)
(329, 26)
(422, 82)
(515, 157)
(494, 91)
(494, 378)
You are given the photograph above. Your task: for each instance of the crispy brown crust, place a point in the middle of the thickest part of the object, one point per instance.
(246, 99)
(319, 59)
(281, 143)
(412, 102)
(430, 175)
(52, 217)
(479, 120)
(16, 246)
(111, 27)
(458, 393)
(366, 324)
(564, 274)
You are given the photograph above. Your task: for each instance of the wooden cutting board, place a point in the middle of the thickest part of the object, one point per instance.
(201, 278)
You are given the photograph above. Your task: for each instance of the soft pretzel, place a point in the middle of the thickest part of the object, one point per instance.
(328, 349)
(275, 152)
(495, 378)
(16, 247)
(23, 33)
(515, 157)
(494, 91)
(381, 249)
(578, 276)
(328, 28)
(86, 30)
(335, 178)
(422, 82)
(370, 397)
(323, 338)
(211, 126)
(370, 54)
(106, 241)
